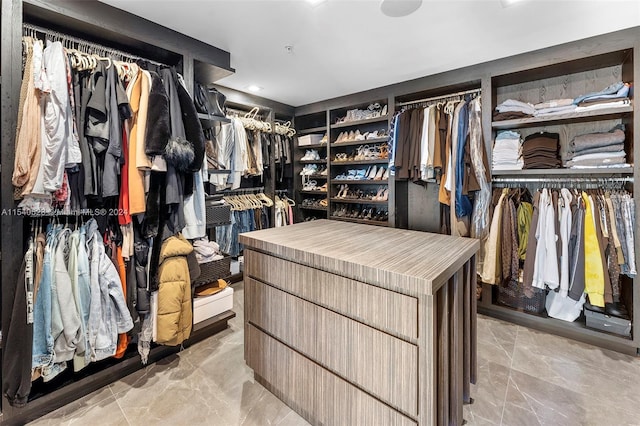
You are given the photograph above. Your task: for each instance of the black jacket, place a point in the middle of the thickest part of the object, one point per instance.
(192, 127)
(159, 128)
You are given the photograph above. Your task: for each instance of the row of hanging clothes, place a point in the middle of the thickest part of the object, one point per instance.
(439, 141)
(244, 147)
(250, 211)
(114, 139)
(570, 245)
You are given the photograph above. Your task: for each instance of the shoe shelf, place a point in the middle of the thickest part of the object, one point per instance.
(360, 142)
(357, 201)
(360, 182)
(364, 221)
(561, 172)
(313, 161)
(215, 118)
(313, 192)
(313, 146)
(574, 117)
(319, 208)
(316, 176)
(319, 129)
(347, 163)
(360, 122)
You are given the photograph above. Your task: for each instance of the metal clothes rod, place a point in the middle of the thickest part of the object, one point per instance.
(565, 179)
(435, 98)
(65, 37)
(242, 191)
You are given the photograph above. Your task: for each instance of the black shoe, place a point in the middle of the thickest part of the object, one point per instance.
(593, 308)
(616, 310)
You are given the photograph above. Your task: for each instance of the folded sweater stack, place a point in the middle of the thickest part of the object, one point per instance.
(512, 109)
(540, 151)
(507, 151)
(615, 95)
(597, 150)
(555, 106)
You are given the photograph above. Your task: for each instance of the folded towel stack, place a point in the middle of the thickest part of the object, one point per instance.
(507, 151)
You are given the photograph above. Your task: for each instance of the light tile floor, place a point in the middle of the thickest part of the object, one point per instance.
(525, 378)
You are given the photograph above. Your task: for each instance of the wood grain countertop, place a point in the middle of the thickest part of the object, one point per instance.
(412, 262)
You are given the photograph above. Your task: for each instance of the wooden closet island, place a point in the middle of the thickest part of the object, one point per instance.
(352, 324)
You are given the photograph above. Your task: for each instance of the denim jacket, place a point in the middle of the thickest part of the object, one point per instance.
(42, 354)
(108, 313)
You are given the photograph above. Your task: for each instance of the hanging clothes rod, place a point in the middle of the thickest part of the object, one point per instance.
(602, 179)
(242, 191)
(85, 43)
(435, 98)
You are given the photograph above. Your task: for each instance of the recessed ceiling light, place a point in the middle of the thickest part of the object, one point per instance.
(254, 88)
(507, 3)
(315, 2)
(399, 8)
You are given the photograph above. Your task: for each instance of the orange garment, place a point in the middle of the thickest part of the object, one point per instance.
(137, 202)
(123, 338)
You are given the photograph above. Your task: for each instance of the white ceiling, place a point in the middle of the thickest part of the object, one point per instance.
(346, 46)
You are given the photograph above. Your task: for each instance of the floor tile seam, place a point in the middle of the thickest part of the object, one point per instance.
(504, 400)
(122, 410)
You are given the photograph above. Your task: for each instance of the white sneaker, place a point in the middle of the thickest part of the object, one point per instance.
(314, 155)
(307, 156)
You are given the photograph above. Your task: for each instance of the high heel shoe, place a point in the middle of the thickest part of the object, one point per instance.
(380, 173)
(378, 196)
(385, 195)
(385, 176)
(373, 172)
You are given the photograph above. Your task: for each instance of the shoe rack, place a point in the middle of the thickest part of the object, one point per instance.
(311, 174)
(359, 183)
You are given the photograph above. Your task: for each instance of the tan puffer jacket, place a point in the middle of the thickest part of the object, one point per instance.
(174, 293)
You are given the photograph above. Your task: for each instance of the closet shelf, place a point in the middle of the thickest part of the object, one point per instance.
(313, 145)
(313, 161)
(314, 192)
(356, 201)
(362, 142)
(564, 172)
(323, 209)
(574, 330)
(312, 130)
(346, 163)
(360, 182)
(360, 122)
(317, 176)
(574, 117)
(364, 221)
(207, 117)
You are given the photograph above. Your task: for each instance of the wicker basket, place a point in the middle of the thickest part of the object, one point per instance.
(512, 295)
(212, 271)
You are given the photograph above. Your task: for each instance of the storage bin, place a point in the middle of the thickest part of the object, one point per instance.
(512, 295)
(311, 139)
(211, 271)
(216, 214)
(209, 306)
(605, 322)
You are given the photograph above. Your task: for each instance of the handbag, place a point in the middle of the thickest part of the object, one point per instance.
(202, 100)
(218, 105)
